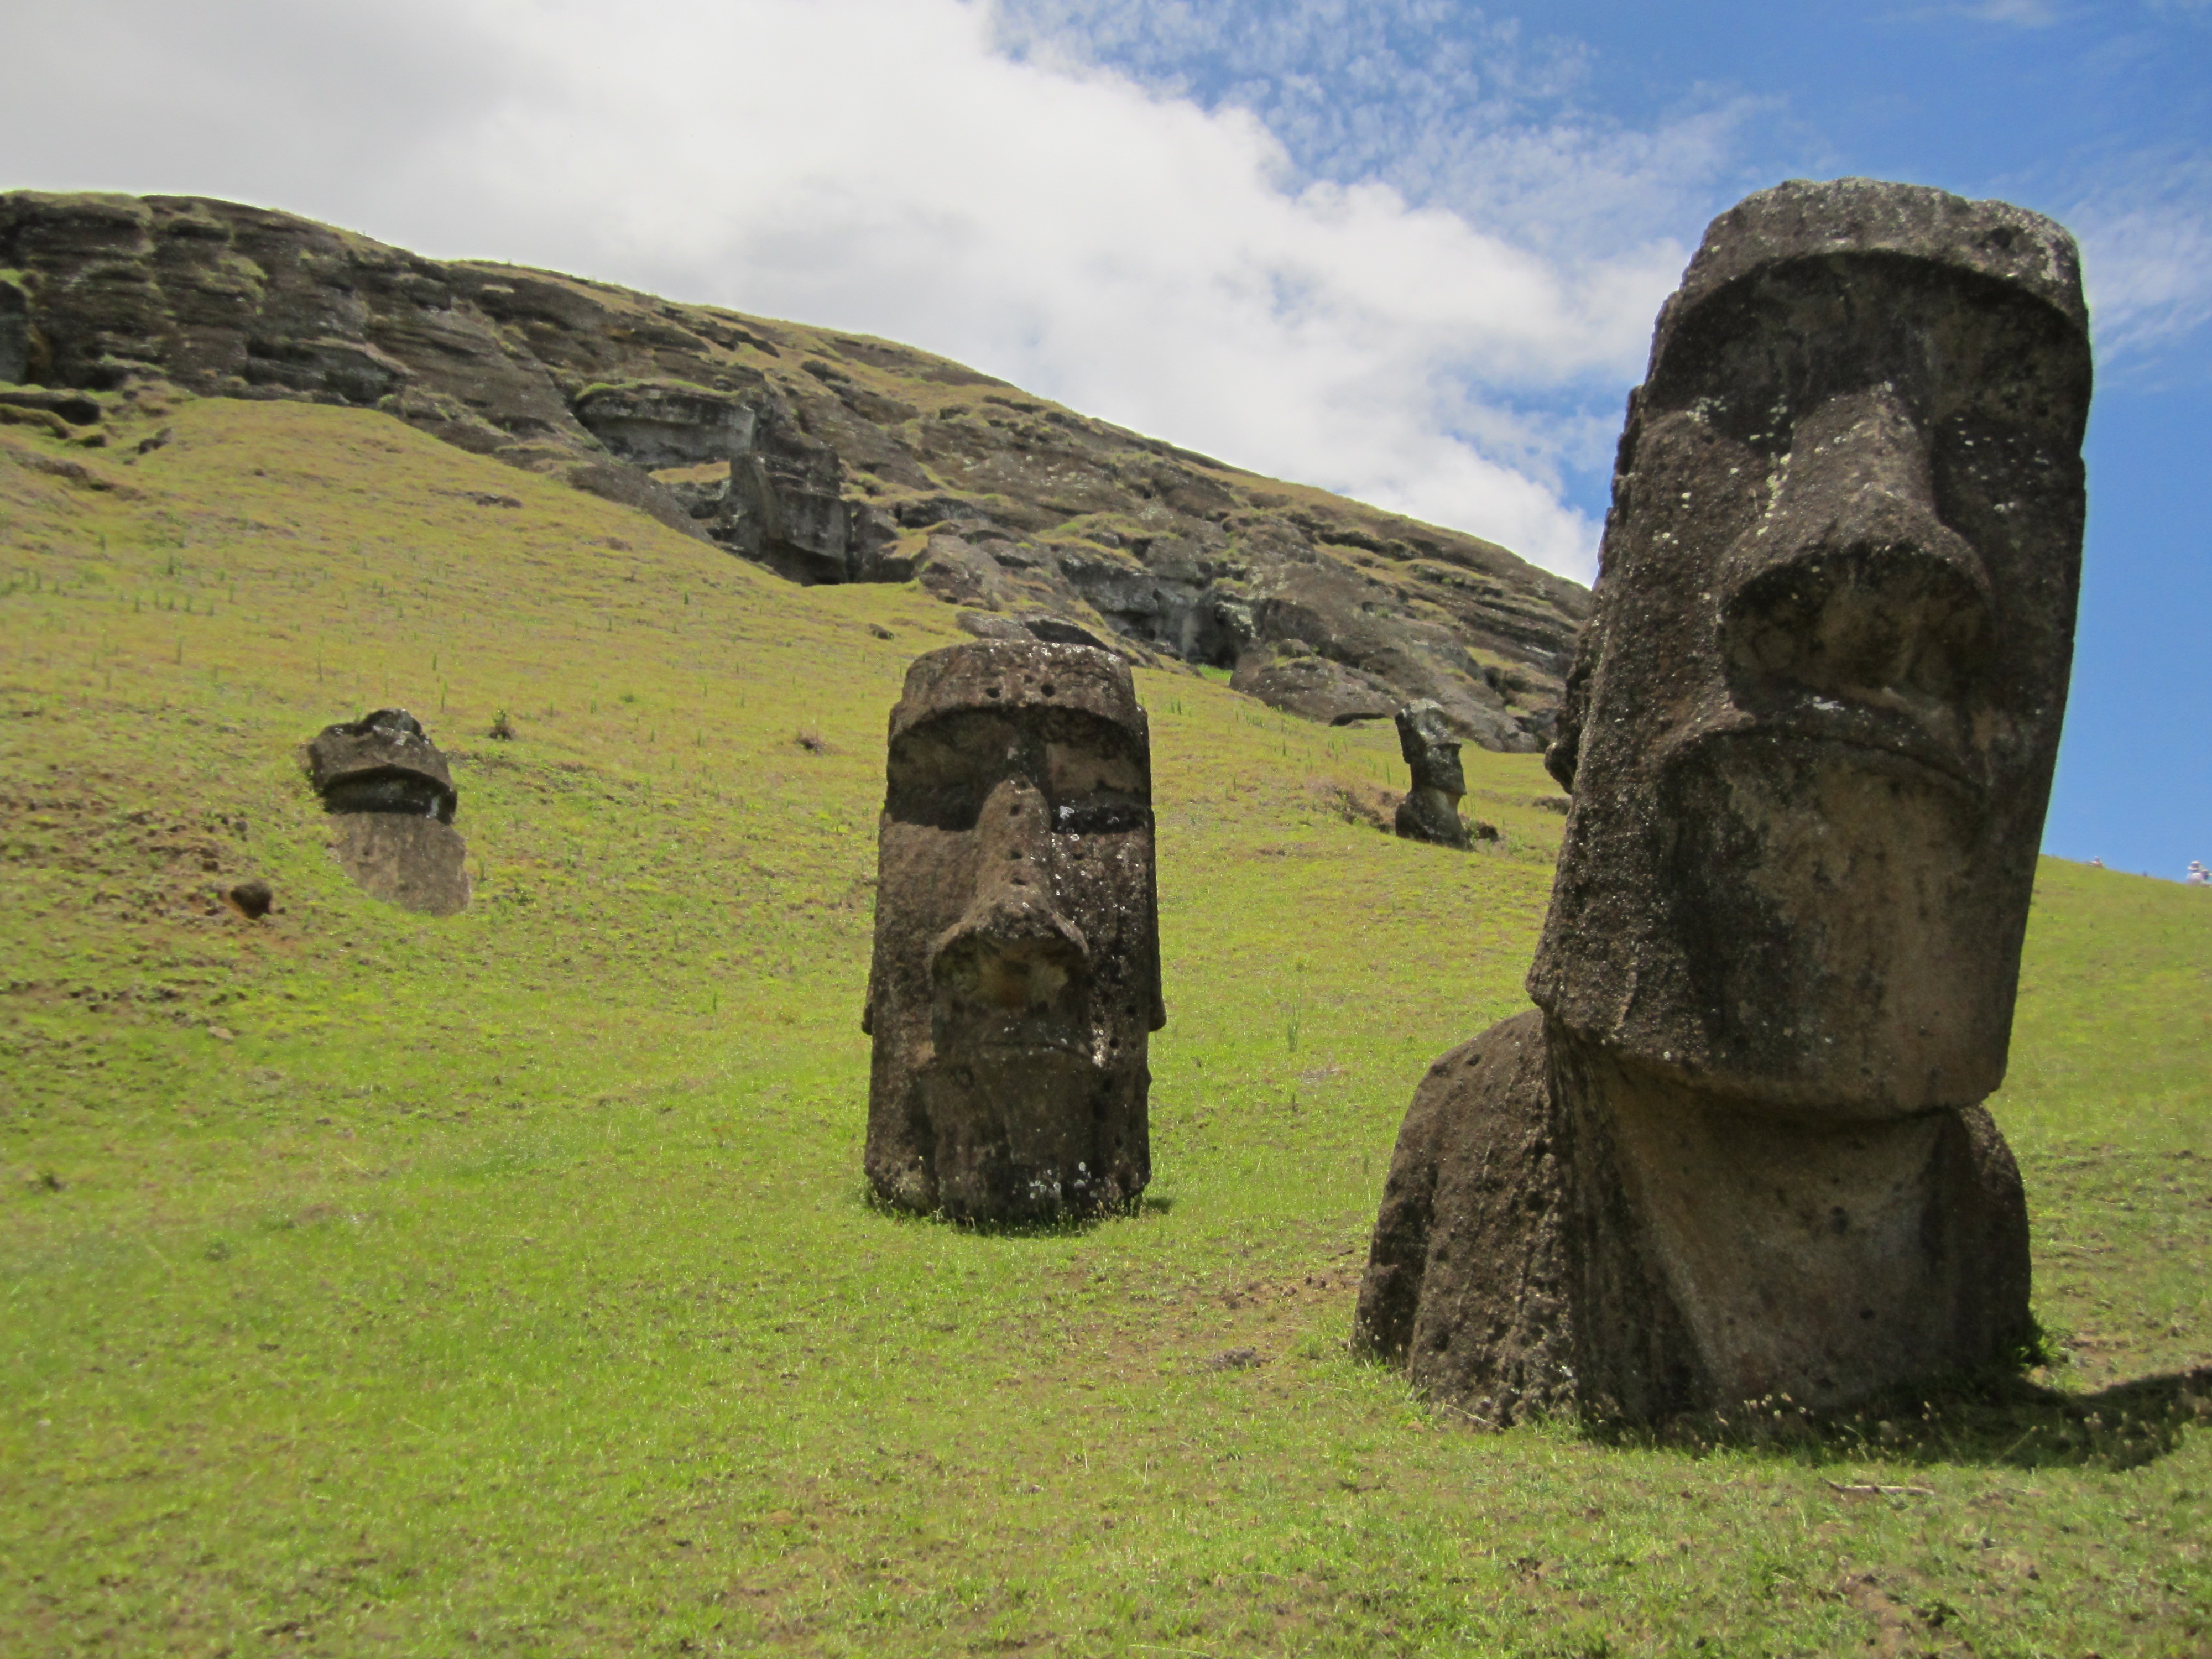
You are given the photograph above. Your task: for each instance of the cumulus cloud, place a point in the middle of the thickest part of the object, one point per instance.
(1135, 250)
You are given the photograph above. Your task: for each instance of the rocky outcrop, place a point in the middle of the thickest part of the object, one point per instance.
(827, 457)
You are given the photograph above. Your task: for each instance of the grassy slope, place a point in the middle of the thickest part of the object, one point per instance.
(506, 1283)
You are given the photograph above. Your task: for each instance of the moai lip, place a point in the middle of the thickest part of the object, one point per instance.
(391, 799)
(1809, 736)
(1016, 974)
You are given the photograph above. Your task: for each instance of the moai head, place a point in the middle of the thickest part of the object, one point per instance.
(382, 762)
(1017, 969)
(1429, 749)
(1811, 727)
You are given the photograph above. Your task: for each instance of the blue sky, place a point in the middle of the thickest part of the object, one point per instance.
(1408, 249)
(2098, 114)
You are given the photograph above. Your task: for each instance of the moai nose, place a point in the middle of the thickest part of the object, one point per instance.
(1852, 585)
(1011, 950)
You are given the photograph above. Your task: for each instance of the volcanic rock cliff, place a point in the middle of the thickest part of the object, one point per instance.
(826, 457)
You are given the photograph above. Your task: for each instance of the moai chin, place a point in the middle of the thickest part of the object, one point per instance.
(1017, 971)
(1739, 1150)
(1430, 810)
(393, 799)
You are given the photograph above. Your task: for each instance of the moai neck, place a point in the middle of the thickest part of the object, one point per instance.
(1824, 1261)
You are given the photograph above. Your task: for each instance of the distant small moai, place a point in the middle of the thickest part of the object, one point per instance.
(1430, 811)
(1016, 976)
(1737, 1152)
(391, 798)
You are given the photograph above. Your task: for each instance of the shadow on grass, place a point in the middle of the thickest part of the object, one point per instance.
(1067, 1225)
(2008, 1422)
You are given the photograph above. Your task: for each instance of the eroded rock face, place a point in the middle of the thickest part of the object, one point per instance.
(14, 331)
(1809, 736)
(391, 798)
(825, 457)
(1430, 811)
(1016, 976)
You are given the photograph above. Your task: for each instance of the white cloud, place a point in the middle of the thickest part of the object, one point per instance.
(2147, 248)
(2020, 13)
(881, 165)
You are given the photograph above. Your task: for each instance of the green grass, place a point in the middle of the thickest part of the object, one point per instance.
(507, 1283)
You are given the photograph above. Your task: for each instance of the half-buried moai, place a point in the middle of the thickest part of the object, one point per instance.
(1016, 969)
(1431, 809)
(391, 799)
(1738, 1151)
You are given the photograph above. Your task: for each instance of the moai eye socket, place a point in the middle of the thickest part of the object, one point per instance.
(940, 773)
(1097, 787)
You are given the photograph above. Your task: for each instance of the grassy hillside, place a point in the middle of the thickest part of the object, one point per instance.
(505, 1284)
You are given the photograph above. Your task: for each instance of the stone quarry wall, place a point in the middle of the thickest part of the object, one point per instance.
(826, 458)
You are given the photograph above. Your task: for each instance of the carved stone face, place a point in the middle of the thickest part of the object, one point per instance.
(1811, 731)
(1017, 961)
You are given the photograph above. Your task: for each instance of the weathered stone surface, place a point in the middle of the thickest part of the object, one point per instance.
(382, 762)
(417, 863)
(1809, 736)
(1561, 1235)
(1430, 811)
(825, 456)
(1290, 676)
(14, 330)
(1016, 976)
(391, 799)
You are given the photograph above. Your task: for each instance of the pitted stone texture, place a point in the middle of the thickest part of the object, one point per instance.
(382, 762)
(1809, 735)
(1558, 1237)
(1811, 728)
(392, 797)
(417, 863)
(1430, 811)
(1016, 974)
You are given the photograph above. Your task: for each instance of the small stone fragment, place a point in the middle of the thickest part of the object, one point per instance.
(253, 898)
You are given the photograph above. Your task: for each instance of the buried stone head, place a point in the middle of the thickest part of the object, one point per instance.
(390, 797)
(1809, 735)
(1015, 973)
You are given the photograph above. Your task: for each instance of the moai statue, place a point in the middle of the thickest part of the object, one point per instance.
(1431, 809)
(392, 798)
(1738, 1150)
(1017, 969)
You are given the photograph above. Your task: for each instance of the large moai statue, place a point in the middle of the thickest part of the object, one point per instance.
(391, 798)
(1016, 969)
(1430, 810)
(1738, 1150)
